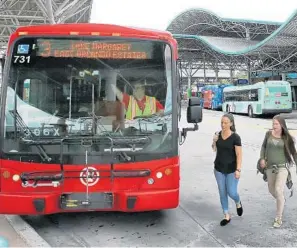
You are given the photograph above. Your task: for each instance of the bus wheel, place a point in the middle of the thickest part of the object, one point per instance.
(228, 109)
(250, 112)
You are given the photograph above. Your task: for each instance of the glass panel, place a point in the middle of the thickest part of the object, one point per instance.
(61, 88)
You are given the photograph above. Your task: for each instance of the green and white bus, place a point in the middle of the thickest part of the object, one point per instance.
(271, 97)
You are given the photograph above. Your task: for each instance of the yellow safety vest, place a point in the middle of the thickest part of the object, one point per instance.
(134, 110)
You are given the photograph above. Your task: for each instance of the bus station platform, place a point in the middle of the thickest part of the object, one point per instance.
(15, 232)
(9, 237)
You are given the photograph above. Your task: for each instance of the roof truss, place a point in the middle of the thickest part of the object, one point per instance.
(208, 41)
(15, 13)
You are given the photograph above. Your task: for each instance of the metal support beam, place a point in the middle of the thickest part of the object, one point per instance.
(204, 68)
(249, 73)
(189, 75)
(41, 18)
(49, 7)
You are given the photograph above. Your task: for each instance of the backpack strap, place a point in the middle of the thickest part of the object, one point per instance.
(265, 143)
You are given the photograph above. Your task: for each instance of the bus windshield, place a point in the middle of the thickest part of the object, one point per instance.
(60, 88)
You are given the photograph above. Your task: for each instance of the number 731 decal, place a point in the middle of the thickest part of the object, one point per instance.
(21, 59)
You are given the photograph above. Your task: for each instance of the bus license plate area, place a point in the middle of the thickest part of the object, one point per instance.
(73, 201)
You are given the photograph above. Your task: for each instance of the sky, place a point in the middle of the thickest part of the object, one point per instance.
(157, 14)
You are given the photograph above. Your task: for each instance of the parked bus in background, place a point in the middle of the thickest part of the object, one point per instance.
(90, 120)
(207, 96)
(217, 96)
(213, 96)
(263, 98)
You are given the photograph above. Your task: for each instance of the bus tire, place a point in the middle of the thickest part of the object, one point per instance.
(250, 112)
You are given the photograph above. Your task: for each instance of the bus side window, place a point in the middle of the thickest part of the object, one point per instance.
(254, 95)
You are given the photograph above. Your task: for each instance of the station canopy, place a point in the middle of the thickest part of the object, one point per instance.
(16, 13)
(205, 39)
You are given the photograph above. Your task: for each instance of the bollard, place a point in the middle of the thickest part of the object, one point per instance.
(3, 242)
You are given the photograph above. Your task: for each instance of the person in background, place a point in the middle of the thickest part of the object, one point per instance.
(277, 157)
(227, 165)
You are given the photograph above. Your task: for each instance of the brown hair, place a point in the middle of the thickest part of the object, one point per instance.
(289, 142)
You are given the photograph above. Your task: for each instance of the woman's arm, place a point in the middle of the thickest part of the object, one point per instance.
(238, 151)
(214, 141)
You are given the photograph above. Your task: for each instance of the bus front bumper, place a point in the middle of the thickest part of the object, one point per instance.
(276, 111)
(124, 201)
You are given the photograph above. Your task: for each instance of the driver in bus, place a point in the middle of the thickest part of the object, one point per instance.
(139, 104)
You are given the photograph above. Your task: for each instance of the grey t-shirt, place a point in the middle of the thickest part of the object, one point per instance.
(275, 154)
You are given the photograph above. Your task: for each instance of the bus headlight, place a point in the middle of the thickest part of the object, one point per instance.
(16, 177)
(159, 175)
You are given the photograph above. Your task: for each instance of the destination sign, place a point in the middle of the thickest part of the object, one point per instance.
(66, 48)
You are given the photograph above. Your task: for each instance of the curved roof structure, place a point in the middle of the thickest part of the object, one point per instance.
(235, 44)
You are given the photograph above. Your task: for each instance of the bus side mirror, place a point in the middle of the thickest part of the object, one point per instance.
(194, 115)
(194, 111)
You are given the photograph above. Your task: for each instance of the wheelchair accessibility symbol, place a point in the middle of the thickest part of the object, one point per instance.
(89, 176)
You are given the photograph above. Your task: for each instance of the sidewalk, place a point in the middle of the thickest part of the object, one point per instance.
(7, 233)
(18, 233)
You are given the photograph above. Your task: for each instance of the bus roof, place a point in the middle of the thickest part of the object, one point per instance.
(256, 85)
(277, 82)
(93, 29)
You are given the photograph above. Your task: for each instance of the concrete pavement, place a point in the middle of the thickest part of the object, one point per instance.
(8, 234)
(15, 232)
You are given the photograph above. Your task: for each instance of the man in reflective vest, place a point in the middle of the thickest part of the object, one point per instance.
(139, 104)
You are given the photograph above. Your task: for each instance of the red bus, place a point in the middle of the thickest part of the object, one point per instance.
(90, 120)
(207, 96)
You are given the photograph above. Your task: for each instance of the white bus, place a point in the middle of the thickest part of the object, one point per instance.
(271, 97)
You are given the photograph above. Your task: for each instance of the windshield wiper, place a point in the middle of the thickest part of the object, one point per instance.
(41, 142)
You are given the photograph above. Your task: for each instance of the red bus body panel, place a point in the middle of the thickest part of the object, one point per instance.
(162, 194)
